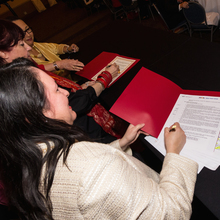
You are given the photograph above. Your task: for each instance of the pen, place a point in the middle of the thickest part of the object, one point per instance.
(173, 128)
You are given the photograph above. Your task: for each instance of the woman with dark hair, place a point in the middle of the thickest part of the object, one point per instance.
(10, 37)
(92, 117)
(51, 170)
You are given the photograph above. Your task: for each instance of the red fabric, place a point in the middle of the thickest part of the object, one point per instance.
(98, 112)
(3, 199)
(61, 80)
(116, 3)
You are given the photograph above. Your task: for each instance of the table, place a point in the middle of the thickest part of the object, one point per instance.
(191, 63)
(210, 5)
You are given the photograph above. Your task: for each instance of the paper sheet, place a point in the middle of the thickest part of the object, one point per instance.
(199, 117)
(123, 63)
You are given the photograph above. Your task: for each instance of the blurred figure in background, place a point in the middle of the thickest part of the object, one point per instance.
(172, 12)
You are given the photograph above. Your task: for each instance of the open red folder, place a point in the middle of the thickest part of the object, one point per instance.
(149, 99)
(100, 62)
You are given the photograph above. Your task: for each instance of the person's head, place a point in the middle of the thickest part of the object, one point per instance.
(57, 106)
(37, 94)
(28, 33)
(12, 45)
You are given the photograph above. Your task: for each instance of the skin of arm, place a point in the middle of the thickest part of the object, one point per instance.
(67, 64)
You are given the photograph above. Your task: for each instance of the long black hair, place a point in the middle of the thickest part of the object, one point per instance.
(23, 127)
(10, 35)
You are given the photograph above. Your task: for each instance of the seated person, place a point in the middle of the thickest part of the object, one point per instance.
(142, 5)
(51, 170)
(48, 53)
(98, 123)
(172, 12)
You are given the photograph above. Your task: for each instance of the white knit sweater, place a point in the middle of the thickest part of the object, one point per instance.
(103, 182)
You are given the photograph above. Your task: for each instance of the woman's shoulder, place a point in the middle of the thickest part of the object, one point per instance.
(86, 149)
(87, 154)
(85, 157)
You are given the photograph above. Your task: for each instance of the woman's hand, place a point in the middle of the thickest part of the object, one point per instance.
(174, 140)
(86, 84)
(131, 135)
(184, 5)
(113, 69)
(73, 48)
(70, 64)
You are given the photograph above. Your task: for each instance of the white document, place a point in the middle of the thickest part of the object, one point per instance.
(199, 117)
(123, 63)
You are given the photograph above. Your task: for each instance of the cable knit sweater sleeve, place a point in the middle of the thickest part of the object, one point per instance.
(102, 182)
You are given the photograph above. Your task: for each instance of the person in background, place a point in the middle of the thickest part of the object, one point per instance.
(48, 53)
(172, 11)
(72, 177)
(142, 5)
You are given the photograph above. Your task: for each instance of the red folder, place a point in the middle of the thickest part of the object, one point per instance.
(149, 99)
(99, 62)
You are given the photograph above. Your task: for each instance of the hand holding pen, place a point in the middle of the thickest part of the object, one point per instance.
(174, 138)
(113, 69)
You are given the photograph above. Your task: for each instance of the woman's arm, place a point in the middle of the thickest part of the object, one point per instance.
(122, 188)
(113, 70)
(66, 64)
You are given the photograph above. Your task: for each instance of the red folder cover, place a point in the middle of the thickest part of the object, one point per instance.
(99, 62)
(149, 99)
